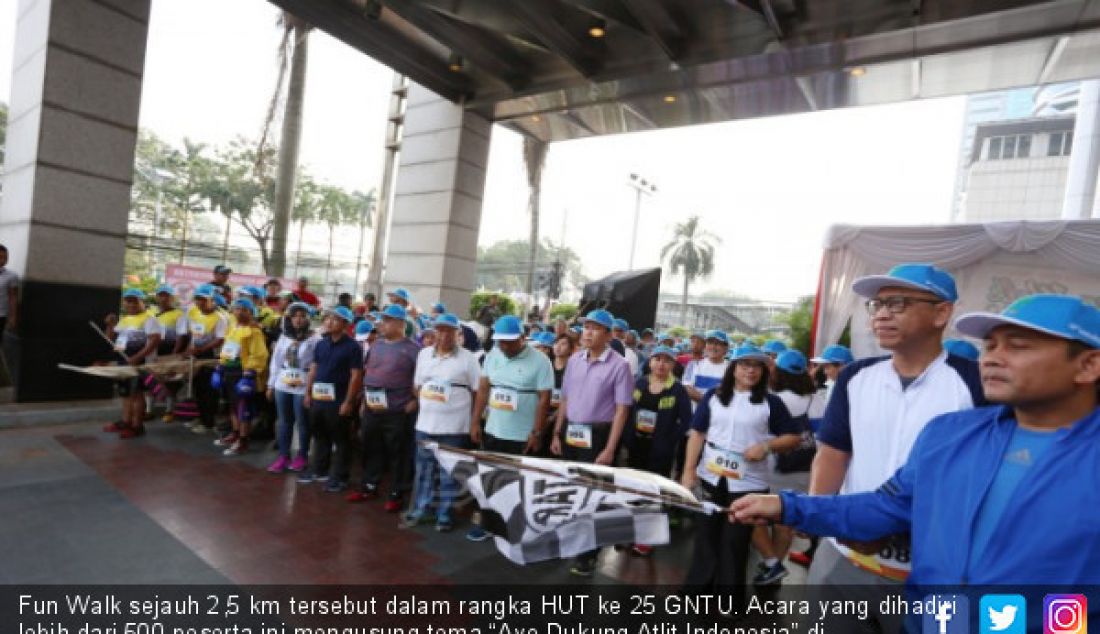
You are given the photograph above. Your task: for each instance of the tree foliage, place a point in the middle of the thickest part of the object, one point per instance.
(564, 311)
(501, 266)
(507, 305)
(690, 254)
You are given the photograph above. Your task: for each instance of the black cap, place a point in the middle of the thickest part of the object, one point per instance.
(221, 268)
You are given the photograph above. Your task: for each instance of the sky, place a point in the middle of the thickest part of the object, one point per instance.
(768, 188)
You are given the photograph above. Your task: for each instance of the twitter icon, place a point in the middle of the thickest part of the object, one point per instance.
(1003, 614)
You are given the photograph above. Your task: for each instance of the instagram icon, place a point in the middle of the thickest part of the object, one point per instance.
(1065, 614)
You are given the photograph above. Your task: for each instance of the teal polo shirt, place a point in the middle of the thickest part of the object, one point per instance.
(529, 372)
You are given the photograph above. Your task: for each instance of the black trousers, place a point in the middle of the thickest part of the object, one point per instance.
(206, 396)
(387, 442)
(721, 552)
(600, 434)
(331, 441)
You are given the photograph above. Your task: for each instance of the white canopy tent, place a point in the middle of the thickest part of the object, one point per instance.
(993, 264)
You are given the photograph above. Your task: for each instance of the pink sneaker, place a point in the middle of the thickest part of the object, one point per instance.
(299, 464)
(279, 465)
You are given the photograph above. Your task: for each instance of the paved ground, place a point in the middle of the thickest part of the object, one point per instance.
(82, 506)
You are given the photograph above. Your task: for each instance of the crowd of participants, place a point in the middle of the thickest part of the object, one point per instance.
(729, 420)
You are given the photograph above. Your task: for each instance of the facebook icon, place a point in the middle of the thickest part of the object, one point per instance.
(945, 614)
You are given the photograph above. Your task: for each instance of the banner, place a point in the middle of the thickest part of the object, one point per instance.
(184, 279)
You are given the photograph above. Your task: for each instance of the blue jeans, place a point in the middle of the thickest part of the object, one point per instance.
(427, 469)
(292, 412)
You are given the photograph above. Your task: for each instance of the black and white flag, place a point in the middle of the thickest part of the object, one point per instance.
(540, 509)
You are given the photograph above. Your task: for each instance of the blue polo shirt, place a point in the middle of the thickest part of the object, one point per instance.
(335, 360)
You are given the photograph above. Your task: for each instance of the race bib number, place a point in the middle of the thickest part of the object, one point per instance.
(504, 399)
(724, 463)
(555, 397)
(121, 342)
(324, 392)
(438, 391)
(645, 421)
(198, 329)
(376, 400)
(231, 350)
(579, 436)
(892, 562)
(292, 377)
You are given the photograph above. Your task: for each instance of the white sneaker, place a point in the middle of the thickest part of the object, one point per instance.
(236, 449)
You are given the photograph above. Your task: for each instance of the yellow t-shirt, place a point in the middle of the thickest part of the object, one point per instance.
(245, 348)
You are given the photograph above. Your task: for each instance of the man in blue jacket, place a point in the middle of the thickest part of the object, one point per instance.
(999, 495)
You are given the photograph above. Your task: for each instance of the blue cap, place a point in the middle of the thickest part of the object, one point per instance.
(835, 353)
(446, 319)
(747, 353)
(961, 348)
(393, 311)
(439, 307)
(576, 329)
(376, 314)
(544, 339)
(252, 291)
(791, 361)
(205, 290)
(1063, 316)
(220, 300)
(507, 328)
(424, 322)
(633, 332)
(774, 346)
(167, 289)
(342, 312)
(719, 336)
(664, 335)
(243, 302)
(621, 324)
(363, 330)
(665, 350)
(601, 317)
(921, 277)
(402, 293)
(647, 331)
(135, 293)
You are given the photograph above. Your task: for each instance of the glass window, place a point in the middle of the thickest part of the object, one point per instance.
(1023, 146)
(1067, 143)
(1008, 147)
(994, 148)
(1054, 147)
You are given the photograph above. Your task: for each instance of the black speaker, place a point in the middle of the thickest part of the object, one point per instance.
(629, 295)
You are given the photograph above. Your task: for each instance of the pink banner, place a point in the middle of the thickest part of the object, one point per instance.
(185, 278)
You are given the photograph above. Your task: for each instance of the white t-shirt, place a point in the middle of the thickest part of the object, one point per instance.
(704, 374)
(290, 361)
(730, 430)
(445, 387)
(632, 359)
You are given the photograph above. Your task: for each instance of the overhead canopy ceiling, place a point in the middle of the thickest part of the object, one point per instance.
(533, 65)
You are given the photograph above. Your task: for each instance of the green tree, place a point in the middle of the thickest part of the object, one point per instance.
(243, 194)
(690, 254)
(501, 266)
(564, 311)
(336, 209)
(800, 321)
(506, 304)
(307, 200)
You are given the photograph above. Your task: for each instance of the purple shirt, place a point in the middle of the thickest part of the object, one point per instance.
(391, 366)
(592, 389)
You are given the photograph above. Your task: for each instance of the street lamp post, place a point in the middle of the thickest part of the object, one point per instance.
(640, 186)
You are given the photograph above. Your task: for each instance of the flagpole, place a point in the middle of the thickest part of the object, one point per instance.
(504, 460)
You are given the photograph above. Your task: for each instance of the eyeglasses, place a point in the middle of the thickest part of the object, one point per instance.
(896, 304)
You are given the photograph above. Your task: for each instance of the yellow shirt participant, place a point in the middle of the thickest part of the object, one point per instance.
(245, 347)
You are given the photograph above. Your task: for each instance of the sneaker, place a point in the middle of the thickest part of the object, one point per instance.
(802, 559)
(392, 505)
(167, 418)
(132, 432)
(298, 465)
(279, 466)
(237, 448)
(365, 492)
(306, 477)
(583, 568)
(227, 440)
(642, 550)
(115, 427)
(761, 567)
(335, 486)
(444, 525)
(771, 576)
(477, 534)
(411, 520)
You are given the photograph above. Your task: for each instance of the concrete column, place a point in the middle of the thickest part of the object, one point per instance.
(1084, 160)
(76, 90)
(437, 202)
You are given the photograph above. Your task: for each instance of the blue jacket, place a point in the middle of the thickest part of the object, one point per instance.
(1050, 535)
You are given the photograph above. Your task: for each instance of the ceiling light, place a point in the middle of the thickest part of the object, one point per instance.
(597, 28)
(670, 98)
(454, 63)
(858, 71)
(536, 118)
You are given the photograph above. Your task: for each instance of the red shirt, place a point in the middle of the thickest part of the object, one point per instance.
(308, 297)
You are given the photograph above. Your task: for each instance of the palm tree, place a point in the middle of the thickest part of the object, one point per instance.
(307, 200)
(690, 253)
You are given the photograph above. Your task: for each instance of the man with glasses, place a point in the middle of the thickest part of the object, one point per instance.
(879, 406)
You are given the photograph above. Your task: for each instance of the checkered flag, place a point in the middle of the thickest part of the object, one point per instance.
(540, 509)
